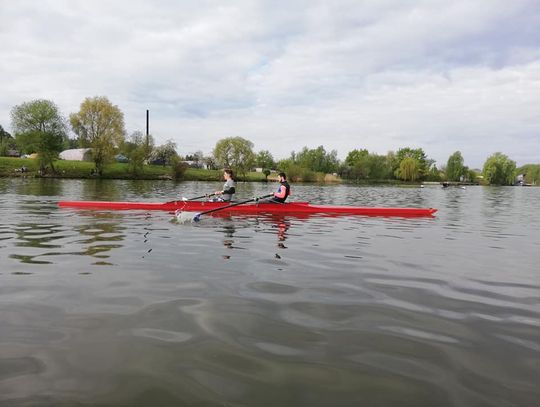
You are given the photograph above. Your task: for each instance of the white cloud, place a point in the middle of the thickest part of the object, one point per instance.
(381, 75)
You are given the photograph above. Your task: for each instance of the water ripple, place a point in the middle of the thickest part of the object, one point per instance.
(131, 308)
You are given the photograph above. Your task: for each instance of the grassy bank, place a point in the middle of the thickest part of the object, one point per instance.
(11, 167)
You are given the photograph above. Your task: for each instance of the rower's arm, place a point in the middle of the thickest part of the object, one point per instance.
(281, 193)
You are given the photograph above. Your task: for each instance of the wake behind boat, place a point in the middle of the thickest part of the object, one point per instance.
(290, 208)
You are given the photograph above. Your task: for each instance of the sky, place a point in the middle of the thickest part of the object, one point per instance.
(439, 75)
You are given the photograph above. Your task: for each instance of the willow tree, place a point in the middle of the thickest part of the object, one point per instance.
(422, 161)
(100, 126)
(409, 169)
(39, 128)
(455, 168)
(499, 170)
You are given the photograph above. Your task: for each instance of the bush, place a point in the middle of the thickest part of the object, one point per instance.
(178, 168)
(297, 173)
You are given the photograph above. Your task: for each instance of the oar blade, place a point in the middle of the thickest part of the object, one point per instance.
(186, 216)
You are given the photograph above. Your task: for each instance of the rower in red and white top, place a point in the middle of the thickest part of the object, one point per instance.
(284, 190)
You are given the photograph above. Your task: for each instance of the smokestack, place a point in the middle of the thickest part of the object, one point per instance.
(147, 125)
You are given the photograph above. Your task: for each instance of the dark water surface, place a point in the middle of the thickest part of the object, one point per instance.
(133, 309)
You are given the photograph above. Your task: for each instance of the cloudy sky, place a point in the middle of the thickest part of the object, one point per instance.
(442, 75)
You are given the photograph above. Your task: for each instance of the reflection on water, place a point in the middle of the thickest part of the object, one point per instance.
(36, 243)
(132, 308)
(46, 187)
(96, 189)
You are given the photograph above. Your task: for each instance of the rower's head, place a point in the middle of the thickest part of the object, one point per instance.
(228, 173)
(282, 177)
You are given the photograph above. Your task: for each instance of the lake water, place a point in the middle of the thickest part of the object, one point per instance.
(134, 309)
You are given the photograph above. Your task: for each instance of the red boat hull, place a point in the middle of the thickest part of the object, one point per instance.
(258, 208)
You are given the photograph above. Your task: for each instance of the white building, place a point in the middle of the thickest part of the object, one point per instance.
(77, 154)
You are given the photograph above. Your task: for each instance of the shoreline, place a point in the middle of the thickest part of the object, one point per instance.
(12, 167)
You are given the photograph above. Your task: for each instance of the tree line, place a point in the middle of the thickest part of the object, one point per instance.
(39, 127)
(407, 164)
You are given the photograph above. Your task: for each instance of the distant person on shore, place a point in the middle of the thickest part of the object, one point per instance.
(284, 190)
(229, 188)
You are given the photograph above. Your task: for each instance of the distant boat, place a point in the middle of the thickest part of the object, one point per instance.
(446, 184)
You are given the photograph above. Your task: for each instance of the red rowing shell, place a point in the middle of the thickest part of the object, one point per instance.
(254, 208)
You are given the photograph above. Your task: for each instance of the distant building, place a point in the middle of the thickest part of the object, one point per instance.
(77, 154)
(260, 169)
(196, 164)
(12, 153)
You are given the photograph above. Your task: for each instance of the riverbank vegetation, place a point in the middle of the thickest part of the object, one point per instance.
(28, 167)
(40, 130)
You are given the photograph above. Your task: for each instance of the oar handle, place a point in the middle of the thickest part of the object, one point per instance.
(202, 196)
(191, 199)
(234, 204)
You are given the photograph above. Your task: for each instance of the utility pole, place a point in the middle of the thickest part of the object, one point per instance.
(147, 125)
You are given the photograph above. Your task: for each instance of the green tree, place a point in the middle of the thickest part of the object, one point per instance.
(295, 172)
(422, 162)
(4, 135)
(165, 154)
(409, 169)
(71, 143)
(355, 156)
(317, 159)
(39, 128)
(455, 168)
(138, 150)
(284, 164)
(6, 141)
(359, 164)
(499, 170)
(178, 167)
(264, 159)
(380, 168)
(531, 173)
(471, 175)
(433, 174)
(100, 126)
(235, 153)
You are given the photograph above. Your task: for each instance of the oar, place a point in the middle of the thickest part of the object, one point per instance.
(191, 199)
(197, 216)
